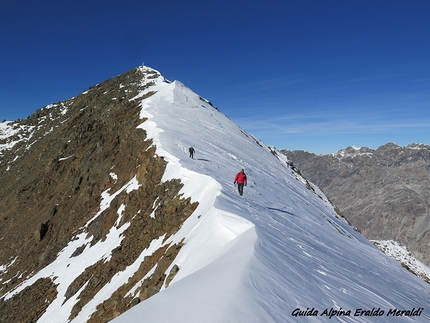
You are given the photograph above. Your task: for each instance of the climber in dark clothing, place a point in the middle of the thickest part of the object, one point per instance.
(241, 181)
(191, 150)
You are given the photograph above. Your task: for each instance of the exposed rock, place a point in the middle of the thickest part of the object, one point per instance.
(52, 182)
(172, 275)
(382, 192)
(30, 304)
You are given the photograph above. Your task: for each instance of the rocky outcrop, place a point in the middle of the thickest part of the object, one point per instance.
(382, 192)
(54, 170)
(30, 304)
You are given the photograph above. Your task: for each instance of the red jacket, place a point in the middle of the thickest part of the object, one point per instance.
(240, 178)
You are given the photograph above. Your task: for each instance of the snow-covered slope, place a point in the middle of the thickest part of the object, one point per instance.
(400, 253)
(277, 254)
(279, 248)
(383, 192)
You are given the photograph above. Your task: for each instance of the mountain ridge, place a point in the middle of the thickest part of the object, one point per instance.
(154, 234)
(383, 191)
(78, 168)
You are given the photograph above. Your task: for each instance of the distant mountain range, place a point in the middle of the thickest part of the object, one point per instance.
(385, 193)
(104, 217)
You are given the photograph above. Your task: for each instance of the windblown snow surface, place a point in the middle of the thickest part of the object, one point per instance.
(279, 248)
(277, 254)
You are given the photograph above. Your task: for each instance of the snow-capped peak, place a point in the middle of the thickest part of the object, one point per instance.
(278, 252)
(288, 249)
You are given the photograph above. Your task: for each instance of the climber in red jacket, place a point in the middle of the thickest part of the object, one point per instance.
(241, 181)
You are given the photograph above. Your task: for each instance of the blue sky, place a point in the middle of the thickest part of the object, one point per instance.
(315, 75)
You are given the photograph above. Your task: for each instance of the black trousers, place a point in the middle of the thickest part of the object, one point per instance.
(240, 188)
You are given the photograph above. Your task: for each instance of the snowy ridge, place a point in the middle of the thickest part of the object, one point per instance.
(12, 133)
(418, 146)
(352, 151)
(278, 251)
(288, 249)
(404, 256)
(218, 227)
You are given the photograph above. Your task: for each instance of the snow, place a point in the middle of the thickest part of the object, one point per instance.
(256, 258)
(133, 184)
(10, 129)
(65, 158)
(259, 257)
(417, 146)
(352, 152)
(404, 256)
(113, 176)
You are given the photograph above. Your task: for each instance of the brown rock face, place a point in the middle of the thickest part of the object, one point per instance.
(52, 181)
(385, 193)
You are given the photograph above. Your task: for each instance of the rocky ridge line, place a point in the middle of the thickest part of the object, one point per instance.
(382, 192)
(55, 166)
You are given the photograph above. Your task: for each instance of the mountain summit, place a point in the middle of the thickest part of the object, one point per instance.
(104, 213)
